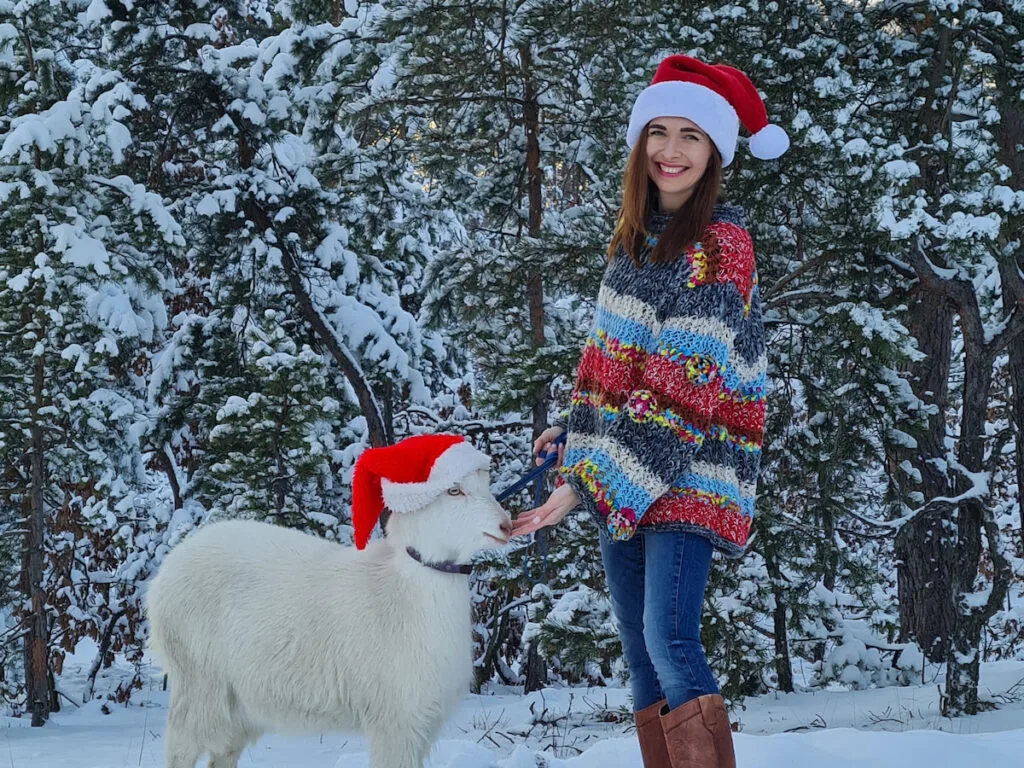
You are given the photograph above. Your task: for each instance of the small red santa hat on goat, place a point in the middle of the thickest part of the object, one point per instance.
(407, 476)
(717, 98)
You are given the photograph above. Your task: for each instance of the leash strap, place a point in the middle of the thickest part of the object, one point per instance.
(529, 477)
(536, 476)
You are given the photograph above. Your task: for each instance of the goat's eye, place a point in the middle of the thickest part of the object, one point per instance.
(455, 491)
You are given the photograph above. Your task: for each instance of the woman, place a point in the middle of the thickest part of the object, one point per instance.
(665, 422)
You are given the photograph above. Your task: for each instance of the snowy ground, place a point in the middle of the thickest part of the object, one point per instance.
(574, 728)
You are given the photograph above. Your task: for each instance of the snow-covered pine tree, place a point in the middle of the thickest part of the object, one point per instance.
(286, 213)
(522, 158)
(269, 455)
(80, 308)
(511, 113)
(936, 115)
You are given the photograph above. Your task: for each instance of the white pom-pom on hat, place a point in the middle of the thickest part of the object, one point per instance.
(769, 143)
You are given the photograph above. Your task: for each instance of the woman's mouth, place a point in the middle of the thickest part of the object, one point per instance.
(671, 171)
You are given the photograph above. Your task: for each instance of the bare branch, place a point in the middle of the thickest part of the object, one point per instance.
(1012, 328)
(802, 294)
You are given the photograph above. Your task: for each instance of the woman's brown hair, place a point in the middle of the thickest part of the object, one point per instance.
(638, 194)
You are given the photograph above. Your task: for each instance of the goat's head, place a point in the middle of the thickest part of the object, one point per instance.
(437, 488)
(456, 524)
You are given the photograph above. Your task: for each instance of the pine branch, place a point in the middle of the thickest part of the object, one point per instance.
(296, 280)
(900, 266)
(342, 356)
(804, 268)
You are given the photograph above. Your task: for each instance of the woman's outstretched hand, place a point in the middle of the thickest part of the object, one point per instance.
(545, 442)
(561, 501)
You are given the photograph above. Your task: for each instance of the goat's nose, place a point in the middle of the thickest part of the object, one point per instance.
(506, 527)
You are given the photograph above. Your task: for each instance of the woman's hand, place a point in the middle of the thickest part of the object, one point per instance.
(561, 501)
(544, 443)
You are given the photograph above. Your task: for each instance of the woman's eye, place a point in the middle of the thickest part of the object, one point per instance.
(455, 491)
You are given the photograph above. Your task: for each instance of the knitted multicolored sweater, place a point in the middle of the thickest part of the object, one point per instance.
(666, 418)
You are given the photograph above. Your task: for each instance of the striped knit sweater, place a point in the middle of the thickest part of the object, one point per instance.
(666, 417)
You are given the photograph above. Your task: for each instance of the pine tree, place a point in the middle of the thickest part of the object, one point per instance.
(288, 214)
(80, 299)
(940, 214)
(505, 109)
(269, 456)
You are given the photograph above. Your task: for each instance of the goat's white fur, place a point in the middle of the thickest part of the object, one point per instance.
(261, 628)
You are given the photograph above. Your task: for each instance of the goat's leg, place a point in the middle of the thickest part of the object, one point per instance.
(396, 748)
(182, 752)
(229, 749)
(184, 741)
(182, 748)
(231, 734)
(226, 759)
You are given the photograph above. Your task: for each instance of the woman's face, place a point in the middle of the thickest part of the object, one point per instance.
(677, 156)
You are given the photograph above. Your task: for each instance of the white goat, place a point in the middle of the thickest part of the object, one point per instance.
(262, 628)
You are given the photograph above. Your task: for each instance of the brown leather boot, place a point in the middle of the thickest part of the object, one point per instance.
(652, 736)
(698, 735)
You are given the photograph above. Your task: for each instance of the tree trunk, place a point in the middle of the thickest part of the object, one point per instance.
(101, 655)
(923, 547)
(963, 662)
(164, 459)
(535, 282)
(1010, 135)
(485, 667)
(1013, 295)
(828, 557)
(972, 514)
(783, 665)
(923, 582)
(38, 691)
(536, 668)
(54, 695)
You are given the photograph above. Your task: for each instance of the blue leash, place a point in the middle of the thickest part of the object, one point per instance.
(535, 476)
(529, 477)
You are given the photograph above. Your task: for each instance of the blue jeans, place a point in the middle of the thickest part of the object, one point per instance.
(657, 582)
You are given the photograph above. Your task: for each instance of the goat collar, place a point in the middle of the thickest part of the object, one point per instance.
(446, 566)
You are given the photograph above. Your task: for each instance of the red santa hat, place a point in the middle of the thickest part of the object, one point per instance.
(717, 98)
(407, 476)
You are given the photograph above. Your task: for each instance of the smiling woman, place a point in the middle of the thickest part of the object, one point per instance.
(663, 438)
(677, 156)
(675, 168)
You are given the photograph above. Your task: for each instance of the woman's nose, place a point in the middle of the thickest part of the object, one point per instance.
(674, 149)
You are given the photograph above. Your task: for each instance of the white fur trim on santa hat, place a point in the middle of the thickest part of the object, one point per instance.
(457, 461)
(710, 111)
(769, 143)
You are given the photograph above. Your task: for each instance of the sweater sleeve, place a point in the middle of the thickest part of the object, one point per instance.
(649, 445)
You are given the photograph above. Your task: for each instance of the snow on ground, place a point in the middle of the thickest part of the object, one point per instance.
(569, 728)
